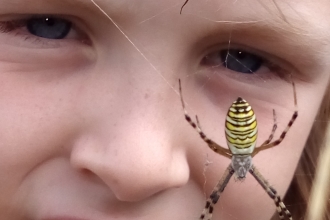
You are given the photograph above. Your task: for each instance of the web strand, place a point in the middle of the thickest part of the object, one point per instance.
(135, 47)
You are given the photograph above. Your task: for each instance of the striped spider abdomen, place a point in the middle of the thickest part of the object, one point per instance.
(241, 128)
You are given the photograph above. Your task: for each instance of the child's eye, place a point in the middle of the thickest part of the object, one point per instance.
(234, 59)
(41, 29)
(48, 27)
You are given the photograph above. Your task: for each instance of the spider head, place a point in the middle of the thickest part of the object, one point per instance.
(241, 165)
(241, 127)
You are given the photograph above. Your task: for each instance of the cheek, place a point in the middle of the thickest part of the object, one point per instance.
(35, 116)
(35, 125)
(29, 134)
(277, 164)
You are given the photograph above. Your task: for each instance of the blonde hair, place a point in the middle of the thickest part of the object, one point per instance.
(309, 189)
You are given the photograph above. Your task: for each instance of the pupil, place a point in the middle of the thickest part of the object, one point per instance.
(240, 55)
(240, 61)
(49, 21)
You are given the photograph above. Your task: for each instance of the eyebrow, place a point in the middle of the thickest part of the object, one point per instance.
(29, 5)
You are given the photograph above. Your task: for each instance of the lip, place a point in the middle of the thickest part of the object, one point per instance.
(64, 218)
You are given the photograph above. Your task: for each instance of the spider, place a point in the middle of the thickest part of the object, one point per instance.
(241, 134)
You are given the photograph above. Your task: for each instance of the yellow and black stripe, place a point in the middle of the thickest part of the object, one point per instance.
(241, 127)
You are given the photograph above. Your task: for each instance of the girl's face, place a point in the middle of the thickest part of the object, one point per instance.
(92, 127)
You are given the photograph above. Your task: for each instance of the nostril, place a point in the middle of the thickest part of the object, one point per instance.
(86, 172)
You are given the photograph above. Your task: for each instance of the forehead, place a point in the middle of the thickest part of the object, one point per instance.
(308, 18)
(297, 12)
(295, 16)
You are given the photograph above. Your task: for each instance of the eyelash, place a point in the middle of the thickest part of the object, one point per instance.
(8, 26)
(15, 28)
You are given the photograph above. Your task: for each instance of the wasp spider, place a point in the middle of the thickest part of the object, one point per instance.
(241, 134)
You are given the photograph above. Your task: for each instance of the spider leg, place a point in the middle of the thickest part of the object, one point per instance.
(214, 146)
(273, 130)
(280, 207)
(267, 144)
(183, 6)
(279, 140)
(215, 195)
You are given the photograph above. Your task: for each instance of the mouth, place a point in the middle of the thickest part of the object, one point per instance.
(64, 218)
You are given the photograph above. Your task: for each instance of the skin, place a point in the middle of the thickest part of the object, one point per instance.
(93, 129)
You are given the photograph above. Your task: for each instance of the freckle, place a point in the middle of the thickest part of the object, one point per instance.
(146, 96)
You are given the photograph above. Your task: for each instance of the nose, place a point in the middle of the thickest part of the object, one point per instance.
(133, 154)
